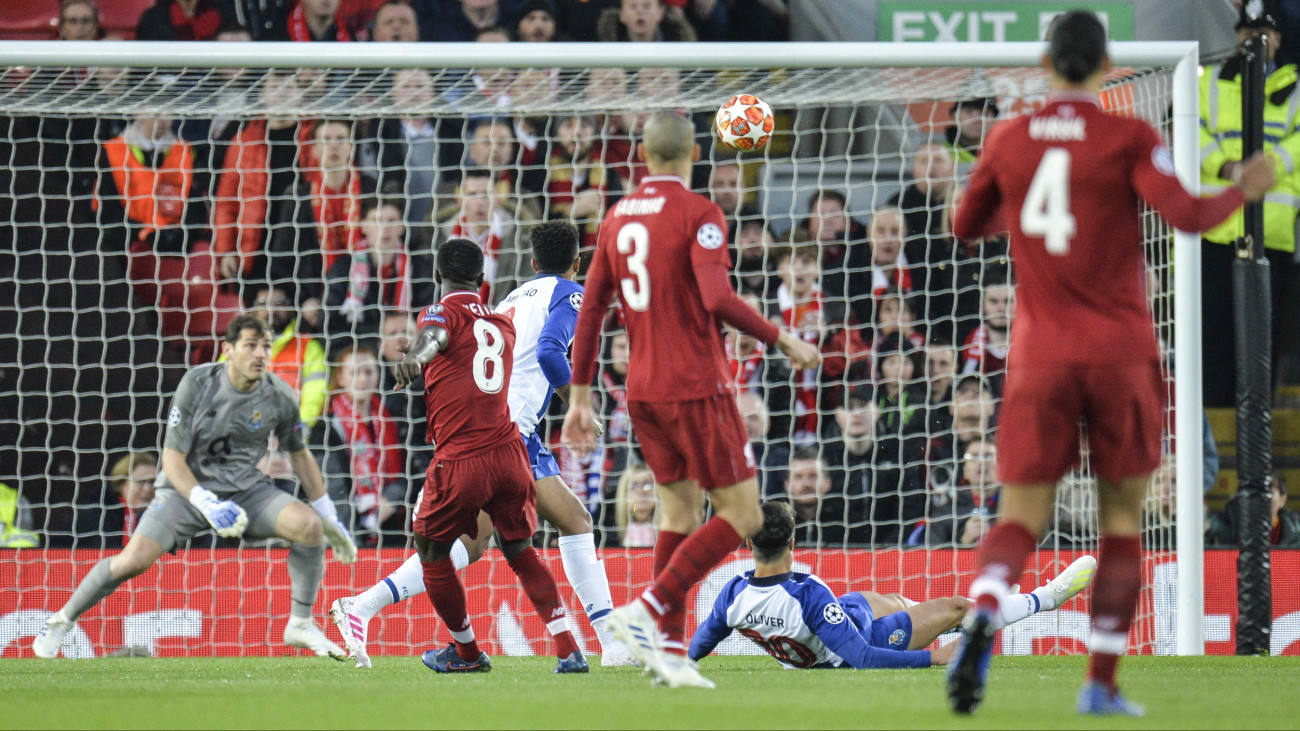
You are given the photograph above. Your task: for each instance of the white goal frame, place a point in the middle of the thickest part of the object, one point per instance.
(1181, 55)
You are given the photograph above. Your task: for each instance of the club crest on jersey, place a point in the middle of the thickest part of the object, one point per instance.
(710, 236)
(174, 417)
(897, 637)
(255, 423)
(833, 613)
(575, 301)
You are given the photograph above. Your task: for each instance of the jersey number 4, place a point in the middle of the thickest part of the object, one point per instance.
(489, 369)
(1046, 211)
(633, 241)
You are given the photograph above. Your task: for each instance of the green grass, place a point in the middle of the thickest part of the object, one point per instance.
(753, 693)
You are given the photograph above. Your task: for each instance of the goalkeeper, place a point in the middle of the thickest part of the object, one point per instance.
(217, 430)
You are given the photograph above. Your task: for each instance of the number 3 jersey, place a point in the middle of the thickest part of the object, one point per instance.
(465, 385)
(798, 621)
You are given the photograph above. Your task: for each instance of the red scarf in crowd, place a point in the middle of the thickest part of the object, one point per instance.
(372, 443)
(338, 214)
(299, 31)
(744, 369)
(129, 518)
(394, 281)
(489, 242)
(202, 27)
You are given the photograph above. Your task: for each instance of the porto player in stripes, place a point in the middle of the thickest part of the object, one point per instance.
(464, 351)
(663, 250)
(1068, 182)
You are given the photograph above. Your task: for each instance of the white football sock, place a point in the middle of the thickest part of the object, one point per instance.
(402, 584)
(1045, 599)
(587, 577)
(1016, 607)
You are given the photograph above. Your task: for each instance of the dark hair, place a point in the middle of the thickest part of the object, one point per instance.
(555, 246)
(250, 291)
(771, 540)
(322, 123)
(245, 322)
(833, 195)
(1076, 44)
(460, 260)
(1279, 482)
(806, 452)
(477, 173)
(370, 204)
(493, 29)
(890, 346)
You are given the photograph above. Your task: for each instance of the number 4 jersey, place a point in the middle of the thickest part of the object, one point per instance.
(1069, 182)
(465, 385)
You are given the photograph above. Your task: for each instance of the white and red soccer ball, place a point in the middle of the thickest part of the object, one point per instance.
(744, 122)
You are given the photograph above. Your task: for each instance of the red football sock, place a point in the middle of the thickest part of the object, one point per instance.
(539, 584)
(691, 562)
(1115, 594)
(448, 597)
(1001, 555)
(673, 622)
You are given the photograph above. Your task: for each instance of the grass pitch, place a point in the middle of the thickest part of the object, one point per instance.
(752, 693)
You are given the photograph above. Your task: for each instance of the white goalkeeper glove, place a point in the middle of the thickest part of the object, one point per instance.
(337, 535)
(225, 516)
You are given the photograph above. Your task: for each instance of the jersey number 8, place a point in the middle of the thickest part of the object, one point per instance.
(489, 370)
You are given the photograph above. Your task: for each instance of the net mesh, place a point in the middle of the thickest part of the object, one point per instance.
(151, 206)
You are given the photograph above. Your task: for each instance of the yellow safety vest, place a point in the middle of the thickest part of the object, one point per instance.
(10, 535)
(1220, 142)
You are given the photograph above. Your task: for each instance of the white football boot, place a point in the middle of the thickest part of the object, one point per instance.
(302, 632)
(680, 671)
(1074, 579)
(50, 638)
(353, 628)
(636, 628)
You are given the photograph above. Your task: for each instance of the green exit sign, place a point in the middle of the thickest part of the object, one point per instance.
(996, 21)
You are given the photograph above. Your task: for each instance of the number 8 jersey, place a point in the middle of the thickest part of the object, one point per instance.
(465, 385)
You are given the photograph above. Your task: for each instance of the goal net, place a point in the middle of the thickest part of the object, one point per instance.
(148, 205)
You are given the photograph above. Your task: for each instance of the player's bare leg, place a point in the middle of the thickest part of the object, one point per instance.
(1024, 512)
(1115, 599)
(299, 524)
(352, 614)
(557, 504)
(539, 584)
(140, 553)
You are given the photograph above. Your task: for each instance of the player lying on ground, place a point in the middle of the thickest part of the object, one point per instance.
(464, 352)
(544, 311)
(798, 621)
(217, 432)
(663, 249)
(1068, 181)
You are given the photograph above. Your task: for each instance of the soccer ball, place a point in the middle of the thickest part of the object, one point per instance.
(744, 122)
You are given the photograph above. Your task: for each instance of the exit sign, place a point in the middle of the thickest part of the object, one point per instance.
(996, 21)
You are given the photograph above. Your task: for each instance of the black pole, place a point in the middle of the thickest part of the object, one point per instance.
(1253, 319)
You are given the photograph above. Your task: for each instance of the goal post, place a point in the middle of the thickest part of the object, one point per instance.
(801, 81)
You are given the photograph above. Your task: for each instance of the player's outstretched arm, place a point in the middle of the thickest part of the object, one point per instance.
(1154, 180)
(579, 430)
(430, 341)
(313, 483)
(713, 629)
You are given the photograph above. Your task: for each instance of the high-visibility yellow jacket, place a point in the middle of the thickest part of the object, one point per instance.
(11, 536)
(1220, 142)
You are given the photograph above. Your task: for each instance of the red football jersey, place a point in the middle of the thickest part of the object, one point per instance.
(663, 250)
(1069, 181)
(465, 385)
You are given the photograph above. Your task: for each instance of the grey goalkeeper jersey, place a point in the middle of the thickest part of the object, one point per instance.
(223, 431)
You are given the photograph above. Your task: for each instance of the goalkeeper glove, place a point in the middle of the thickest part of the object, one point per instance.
(225, 517)
(344, 549)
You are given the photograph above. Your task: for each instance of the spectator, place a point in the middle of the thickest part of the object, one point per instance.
(902, 408)
(491, 146)
(406, 406)
(823, 517)
(634, 508)
(771, 456)
(829, 225)
(79, 21)
(1284, 523)
(261, 162)
(965, 519)
(318, 219)
(755, 256)
(16, 520)
(534, 22)
(985, 349)
(895, 318)
(611, 388)
(850, 452)
(380, 275)
(758, 21)
(395, 22)
(708, 18)
(227, 88)
(888, 266)
(971, 121)
(297, 358)
(579, 187)
(882, 471)
(359, 449)
(267, 20)
(318, 20)
(727, 189)
(828, 222)
(941, 374)
(131, 480)
(184, 20)
(753, 371)
(925, 198)
(578, 18)
(954, 293)
(146, 190)
(460, 20)
(485, 217)
(642, 21)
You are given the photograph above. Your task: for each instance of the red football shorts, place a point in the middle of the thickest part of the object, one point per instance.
(1120, 405)
(497, 481)
(702, 440)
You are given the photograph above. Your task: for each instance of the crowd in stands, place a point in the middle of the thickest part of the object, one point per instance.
(326, 227)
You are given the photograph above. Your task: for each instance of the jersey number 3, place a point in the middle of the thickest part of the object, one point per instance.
(1046, 211)
(489, 370)
(633, 241)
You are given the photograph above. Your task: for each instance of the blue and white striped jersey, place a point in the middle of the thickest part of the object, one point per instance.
(544, 311)
(798, 620)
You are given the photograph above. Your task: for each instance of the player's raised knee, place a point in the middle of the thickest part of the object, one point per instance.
(298, 523)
